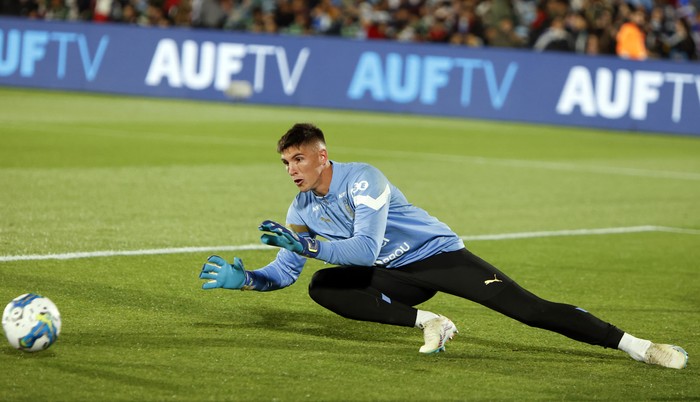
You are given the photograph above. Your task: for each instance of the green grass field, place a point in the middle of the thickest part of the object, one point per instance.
(90, 173)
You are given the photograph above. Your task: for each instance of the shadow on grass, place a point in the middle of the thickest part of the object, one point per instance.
(112, 376)
(311, 329)
(44, 354)
(527, 350)
(319, 323)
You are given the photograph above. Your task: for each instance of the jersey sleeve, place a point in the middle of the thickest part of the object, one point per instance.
(369, 195)
(285, 269)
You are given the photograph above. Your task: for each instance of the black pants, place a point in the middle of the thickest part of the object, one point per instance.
(388, 295)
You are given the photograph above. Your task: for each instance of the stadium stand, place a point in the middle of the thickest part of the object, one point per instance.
(670, 28)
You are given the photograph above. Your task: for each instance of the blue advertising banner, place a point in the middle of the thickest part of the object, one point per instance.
(551, 88)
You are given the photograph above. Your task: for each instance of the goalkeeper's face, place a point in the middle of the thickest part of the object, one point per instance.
(307, 166)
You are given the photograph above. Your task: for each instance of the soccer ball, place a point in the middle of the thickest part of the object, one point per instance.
(31, 322)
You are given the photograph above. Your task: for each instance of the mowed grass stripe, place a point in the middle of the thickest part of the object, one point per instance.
(531, 164)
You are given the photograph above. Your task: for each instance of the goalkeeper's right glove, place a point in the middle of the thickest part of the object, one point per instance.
(221, 274)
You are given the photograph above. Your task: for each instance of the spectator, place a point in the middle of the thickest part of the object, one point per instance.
(547, 11)
(468, 23)
(695, 29)
(404, 24)
(58, 10)
(580, 32)
(503, 34)
(181, 13)
(351, 27)
(301, 24)
(156, 15)
(284, 14)
(102, 10)
(593, 44)
(602, 29)
(438, 31)
(257, 22)
(498, 11)
(206, 14)
(326, 19)
(658, 29)
(555, 38)
(681, 44)
(631, 40)
(539, 23)
(466, 39)
(375, 19)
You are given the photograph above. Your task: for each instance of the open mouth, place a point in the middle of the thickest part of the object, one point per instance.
(298, 181)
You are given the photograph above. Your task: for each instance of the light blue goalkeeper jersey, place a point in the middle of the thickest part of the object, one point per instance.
(367, 222)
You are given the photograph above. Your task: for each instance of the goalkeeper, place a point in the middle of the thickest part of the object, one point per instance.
(391, 256)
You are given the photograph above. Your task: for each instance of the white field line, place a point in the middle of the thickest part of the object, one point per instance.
(579, 232)
(499, 236)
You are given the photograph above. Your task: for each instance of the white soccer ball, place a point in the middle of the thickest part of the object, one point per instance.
(31, 322)
(239, 90)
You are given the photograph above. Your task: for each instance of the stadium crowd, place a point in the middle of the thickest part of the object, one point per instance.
(635, 29)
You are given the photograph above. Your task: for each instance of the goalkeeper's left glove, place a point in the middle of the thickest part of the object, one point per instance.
(221, 274)
(280, 236)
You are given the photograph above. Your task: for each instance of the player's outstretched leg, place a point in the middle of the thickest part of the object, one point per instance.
(580, 325)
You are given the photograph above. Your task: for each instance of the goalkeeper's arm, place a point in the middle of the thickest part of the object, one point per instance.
(283, 271)
(280, 273)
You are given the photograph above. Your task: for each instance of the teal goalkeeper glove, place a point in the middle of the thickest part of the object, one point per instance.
(280, 236)
(221, 274)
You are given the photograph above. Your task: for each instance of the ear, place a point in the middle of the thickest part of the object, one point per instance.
(323, 156)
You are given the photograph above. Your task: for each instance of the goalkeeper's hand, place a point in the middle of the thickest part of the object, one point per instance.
(280, 236)
(221, 274)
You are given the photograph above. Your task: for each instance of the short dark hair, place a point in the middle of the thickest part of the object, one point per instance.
(300, 134)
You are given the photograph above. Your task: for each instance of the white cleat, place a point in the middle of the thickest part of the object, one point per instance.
(670, 356)
(437, 332)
